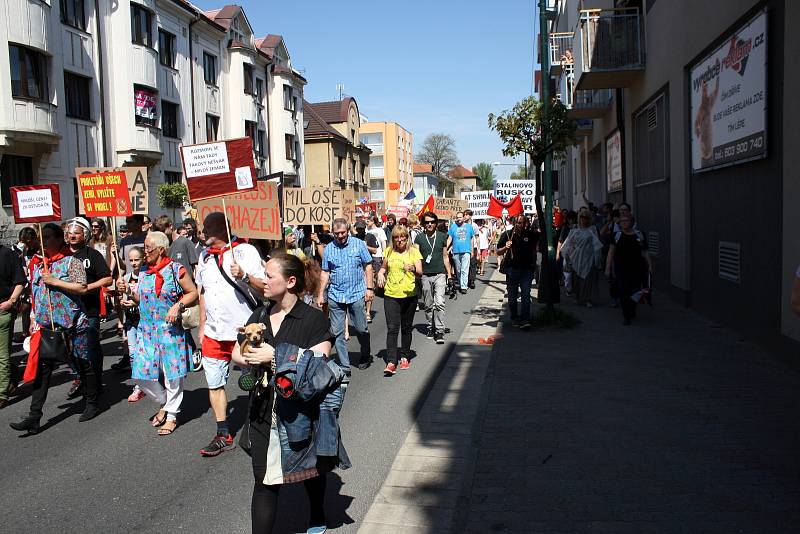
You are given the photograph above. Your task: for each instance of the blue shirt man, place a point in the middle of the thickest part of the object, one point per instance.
(347, 265)
(463, 236)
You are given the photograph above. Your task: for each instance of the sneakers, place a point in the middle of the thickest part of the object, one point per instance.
(431, 333)
(404, 364)
(197, 361)
(218, 445)
(29, 424)
(136, 395)
(390, 369)
(76, 390)
(439, 338)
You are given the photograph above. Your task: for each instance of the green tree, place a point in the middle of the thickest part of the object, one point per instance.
(525, 129)
(520, 174)
(439, 151)
(486, 176)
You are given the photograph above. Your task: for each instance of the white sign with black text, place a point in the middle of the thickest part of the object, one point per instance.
(505, 190)
(478, 202)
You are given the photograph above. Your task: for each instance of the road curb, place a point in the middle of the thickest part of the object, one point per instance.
(421, 492)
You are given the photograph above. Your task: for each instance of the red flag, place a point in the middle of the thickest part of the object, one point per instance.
(32, 365)
(514, 207)
(428, 206)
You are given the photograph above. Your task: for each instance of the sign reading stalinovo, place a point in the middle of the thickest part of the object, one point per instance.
(505, 190)
(728, 90)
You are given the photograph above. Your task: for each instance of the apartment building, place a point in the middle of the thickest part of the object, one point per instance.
(126, 83)
(391, 164)
(684, 111)
(335, 156)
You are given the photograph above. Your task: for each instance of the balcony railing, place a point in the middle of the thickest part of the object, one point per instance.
(560, 51)
(610, 48)
(377, 148)
(590, 103)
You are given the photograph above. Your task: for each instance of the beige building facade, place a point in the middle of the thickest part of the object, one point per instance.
(683, 113)
(391, 164)
(335, 156)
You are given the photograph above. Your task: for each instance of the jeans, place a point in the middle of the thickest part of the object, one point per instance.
(434, 287)
(6, 369)
(358, 321)
(399, 320)
(519, 280)
(462, 268)
(95, 351)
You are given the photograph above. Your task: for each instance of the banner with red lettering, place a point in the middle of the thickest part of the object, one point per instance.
(219, 168)
(36, 203)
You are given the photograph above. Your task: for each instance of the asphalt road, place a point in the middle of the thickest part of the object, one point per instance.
(114, 474)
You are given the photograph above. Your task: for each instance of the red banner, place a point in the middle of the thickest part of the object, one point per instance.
(36, 203)
(105, 194)
(219, 168)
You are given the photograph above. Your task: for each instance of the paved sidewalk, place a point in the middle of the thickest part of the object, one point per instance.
(672, 425)
(422, 492)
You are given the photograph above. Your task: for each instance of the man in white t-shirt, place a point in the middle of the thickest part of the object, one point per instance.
(374, 228)
(484, 235)
(473, 260)
(225, 304)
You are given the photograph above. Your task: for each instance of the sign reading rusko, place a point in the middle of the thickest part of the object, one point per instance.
(255, 214)
(446, 208)
(728, 94)
(36, 203)
(104, 194)
(505, 190)
(136, 179)
(219, 168)
(478, 202)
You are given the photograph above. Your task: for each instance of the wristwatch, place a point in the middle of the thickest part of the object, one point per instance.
(246, 278)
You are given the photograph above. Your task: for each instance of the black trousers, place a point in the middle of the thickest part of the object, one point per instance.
(399, 320)
(473, 267)
(264, 504)
(41, 385)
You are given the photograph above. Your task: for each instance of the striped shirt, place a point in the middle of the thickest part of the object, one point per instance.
(346, 263)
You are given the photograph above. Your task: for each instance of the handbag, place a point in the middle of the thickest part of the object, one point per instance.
(190, 318)
(505, 263)
(53, 345)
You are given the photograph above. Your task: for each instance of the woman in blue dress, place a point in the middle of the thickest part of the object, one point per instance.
(163, 293)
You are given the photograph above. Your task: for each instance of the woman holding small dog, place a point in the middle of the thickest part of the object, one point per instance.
(285, 319)
(163, 293)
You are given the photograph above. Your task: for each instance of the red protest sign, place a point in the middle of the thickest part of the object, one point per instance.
(36, 203)
(219, 168)
(105, 194)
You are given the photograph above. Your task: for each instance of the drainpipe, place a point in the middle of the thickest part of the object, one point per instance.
(191, 77)
(270, 77)
(102, 83)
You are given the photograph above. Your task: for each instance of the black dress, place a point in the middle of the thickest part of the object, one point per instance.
(303, 326)
(629, 268)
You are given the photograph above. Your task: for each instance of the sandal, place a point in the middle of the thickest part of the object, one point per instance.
(165, 430)
(158, 421)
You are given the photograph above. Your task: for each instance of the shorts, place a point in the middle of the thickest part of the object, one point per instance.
(484, 253)
(216, 371)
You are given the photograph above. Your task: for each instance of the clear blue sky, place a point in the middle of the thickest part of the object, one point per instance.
(432, 66)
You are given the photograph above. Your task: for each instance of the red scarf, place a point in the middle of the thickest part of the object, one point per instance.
(219, 252)
(156, 270)
(36, 259)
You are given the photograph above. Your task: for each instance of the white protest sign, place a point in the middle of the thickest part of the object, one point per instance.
(36, 203)
(478, 202)
(505, 190)
(206, 160)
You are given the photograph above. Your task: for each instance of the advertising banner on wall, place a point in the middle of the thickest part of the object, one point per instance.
(614, 161)
(478, 202)
(146, 103)
(728, 91)
(505, 190)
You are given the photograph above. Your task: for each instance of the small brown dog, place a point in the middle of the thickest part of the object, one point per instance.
(253, 335)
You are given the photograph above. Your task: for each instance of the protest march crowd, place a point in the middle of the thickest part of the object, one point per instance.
(190, 298)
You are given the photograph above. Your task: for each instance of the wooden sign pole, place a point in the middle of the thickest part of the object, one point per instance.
(44, 260)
